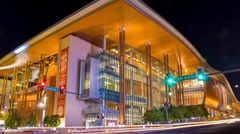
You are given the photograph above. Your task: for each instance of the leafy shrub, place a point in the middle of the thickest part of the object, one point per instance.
(52, 121)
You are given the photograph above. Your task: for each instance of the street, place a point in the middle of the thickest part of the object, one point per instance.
(229, 126)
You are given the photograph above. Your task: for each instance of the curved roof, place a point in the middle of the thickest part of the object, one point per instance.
(105, 17)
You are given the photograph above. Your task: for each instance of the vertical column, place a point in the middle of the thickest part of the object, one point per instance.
(166, 70)
(131, 85)
(149, 76)
(25, 88)
(4, 90)
(13, 89)
(1, 104)
(4, 87)
(142, 83)
(178, 90)
(104, 43)
(181, 86)
(103, 101)
(122, 75)
(39, 93)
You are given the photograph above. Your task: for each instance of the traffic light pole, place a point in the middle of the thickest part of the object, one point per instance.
(225, 72)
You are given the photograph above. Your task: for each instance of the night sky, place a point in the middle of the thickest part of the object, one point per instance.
(212, 26)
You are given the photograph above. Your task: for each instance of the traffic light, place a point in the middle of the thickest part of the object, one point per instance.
(169, 80)
(201, 76)
(61, 89)
(41, 85)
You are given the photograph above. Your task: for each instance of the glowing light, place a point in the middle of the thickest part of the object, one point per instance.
(228, 107)
(41, 104)
(170, 81)
(236, 86)
(20, 49)
(200, 77)
(42, 84)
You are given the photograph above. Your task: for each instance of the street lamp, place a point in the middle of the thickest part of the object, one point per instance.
(41, 104)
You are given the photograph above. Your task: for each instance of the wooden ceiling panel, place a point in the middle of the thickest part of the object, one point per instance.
(139, 29)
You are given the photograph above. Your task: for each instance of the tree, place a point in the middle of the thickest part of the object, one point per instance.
(32, 121)
(154, 115)
(173, 113)
(198, 111)
(13, 120)
(184, 112)
(205, 111)
(52, 121)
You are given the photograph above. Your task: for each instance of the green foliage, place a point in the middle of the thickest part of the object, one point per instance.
(52, 121)
(154, 115)
(3, 116)
(175, 113)
(32, 121)
(205, 111)
(13, 120)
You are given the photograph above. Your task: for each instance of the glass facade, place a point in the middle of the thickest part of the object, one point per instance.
(135, 86)
(135, 79)
(193, 92)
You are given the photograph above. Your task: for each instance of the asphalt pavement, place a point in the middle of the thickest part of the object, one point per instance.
(230, 128)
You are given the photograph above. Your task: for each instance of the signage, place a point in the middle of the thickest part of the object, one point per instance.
(62, 81)
(51, 88)
(186, 77)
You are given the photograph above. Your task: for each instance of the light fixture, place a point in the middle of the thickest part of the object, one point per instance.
(41, 104)
(20, 49)
(228, 107)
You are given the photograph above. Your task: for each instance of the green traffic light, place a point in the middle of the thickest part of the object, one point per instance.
(169, 80)
(201, 76)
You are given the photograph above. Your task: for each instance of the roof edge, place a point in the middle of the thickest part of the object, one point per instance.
(87, 9)
(149, 12)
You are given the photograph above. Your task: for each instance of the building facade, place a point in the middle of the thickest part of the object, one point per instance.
(112, 57)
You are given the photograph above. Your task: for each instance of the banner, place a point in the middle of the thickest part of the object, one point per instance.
(62, 81)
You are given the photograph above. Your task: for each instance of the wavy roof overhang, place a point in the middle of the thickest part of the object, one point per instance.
(105, 17)
(145, 9)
